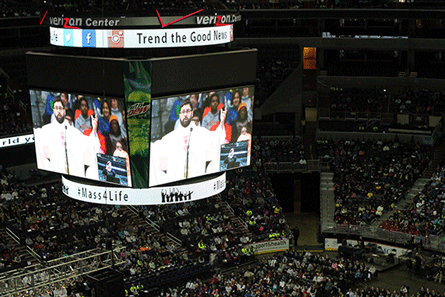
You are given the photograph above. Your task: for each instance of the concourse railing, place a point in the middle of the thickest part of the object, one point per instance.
(432, 242)
(59, 271)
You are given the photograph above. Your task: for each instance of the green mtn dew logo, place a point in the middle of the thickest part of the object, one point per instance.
(139, 110)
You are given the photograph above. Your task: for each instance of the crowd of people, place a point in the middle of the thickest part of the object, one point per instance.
(38, 216)
(279, 150)
(32, 8)
(362, 104)
(407, 101)
(371, 177)
(9, 256)
(12, 122)
(348, 68)
(249, 194)
(293, 273)
(55, 226)
(18, 9)
(419, 101)
(356, 99)
(204, 230)
(423, 216)
(274, 72)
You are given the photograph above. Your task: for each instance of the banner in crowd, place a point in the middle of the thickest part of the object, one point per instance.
(271, 246)
(331, 244)
(150, 196)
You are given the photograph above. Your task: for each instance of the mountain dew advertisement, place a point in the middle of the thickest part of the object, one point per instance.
(137, 82)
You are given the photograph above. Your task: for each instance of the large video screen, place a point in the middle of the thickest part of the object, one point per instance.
(200, 133)
(81, 135)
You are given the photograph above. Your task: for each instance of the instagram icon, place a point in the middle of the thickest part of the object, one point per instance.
(116, 38)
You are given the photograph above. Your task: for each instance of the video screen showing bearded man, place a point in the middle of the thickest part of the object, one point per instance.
(62, 148)
(188, 151)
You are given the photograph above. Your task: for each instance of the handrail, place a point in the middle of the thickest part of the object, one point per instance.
(60, 270)
(285, 166)
(149, 221)
(243, 222)
(33, 253)
(13, 235)
(433, 242)
(153, 224)
(75, 256)
(174, 238)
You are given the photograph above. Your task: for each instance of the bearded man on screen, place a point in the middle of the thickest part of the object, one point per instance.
(186, 152)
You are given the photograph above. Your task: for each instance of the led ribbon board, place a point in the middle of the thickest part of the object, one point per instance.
(134, 38)
(151, 196)
(159, 30)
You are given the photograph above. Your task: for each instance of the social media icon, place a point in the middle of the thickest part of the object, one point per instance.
(88, 38)
(68, 38)
(54, 36)
(116, 38)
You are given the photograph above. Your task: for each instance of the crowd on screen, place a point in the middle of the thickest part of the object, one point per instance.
(371, 177)
(207, 109)
(88, 115)
(80, 111)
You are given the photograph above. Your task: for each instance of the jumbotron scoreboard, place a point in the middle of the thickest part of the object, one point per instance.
(142, 130)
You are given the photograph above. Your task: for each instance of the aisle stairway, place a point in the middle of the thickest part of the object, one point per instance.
(152, 228)
(25, 255)
(437, 158)
(327, 200)
(310, 146)
(228, 211)
(409, 196)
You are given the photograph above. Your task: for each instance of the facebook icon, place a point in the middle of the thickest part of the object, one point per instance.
(88, 38)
